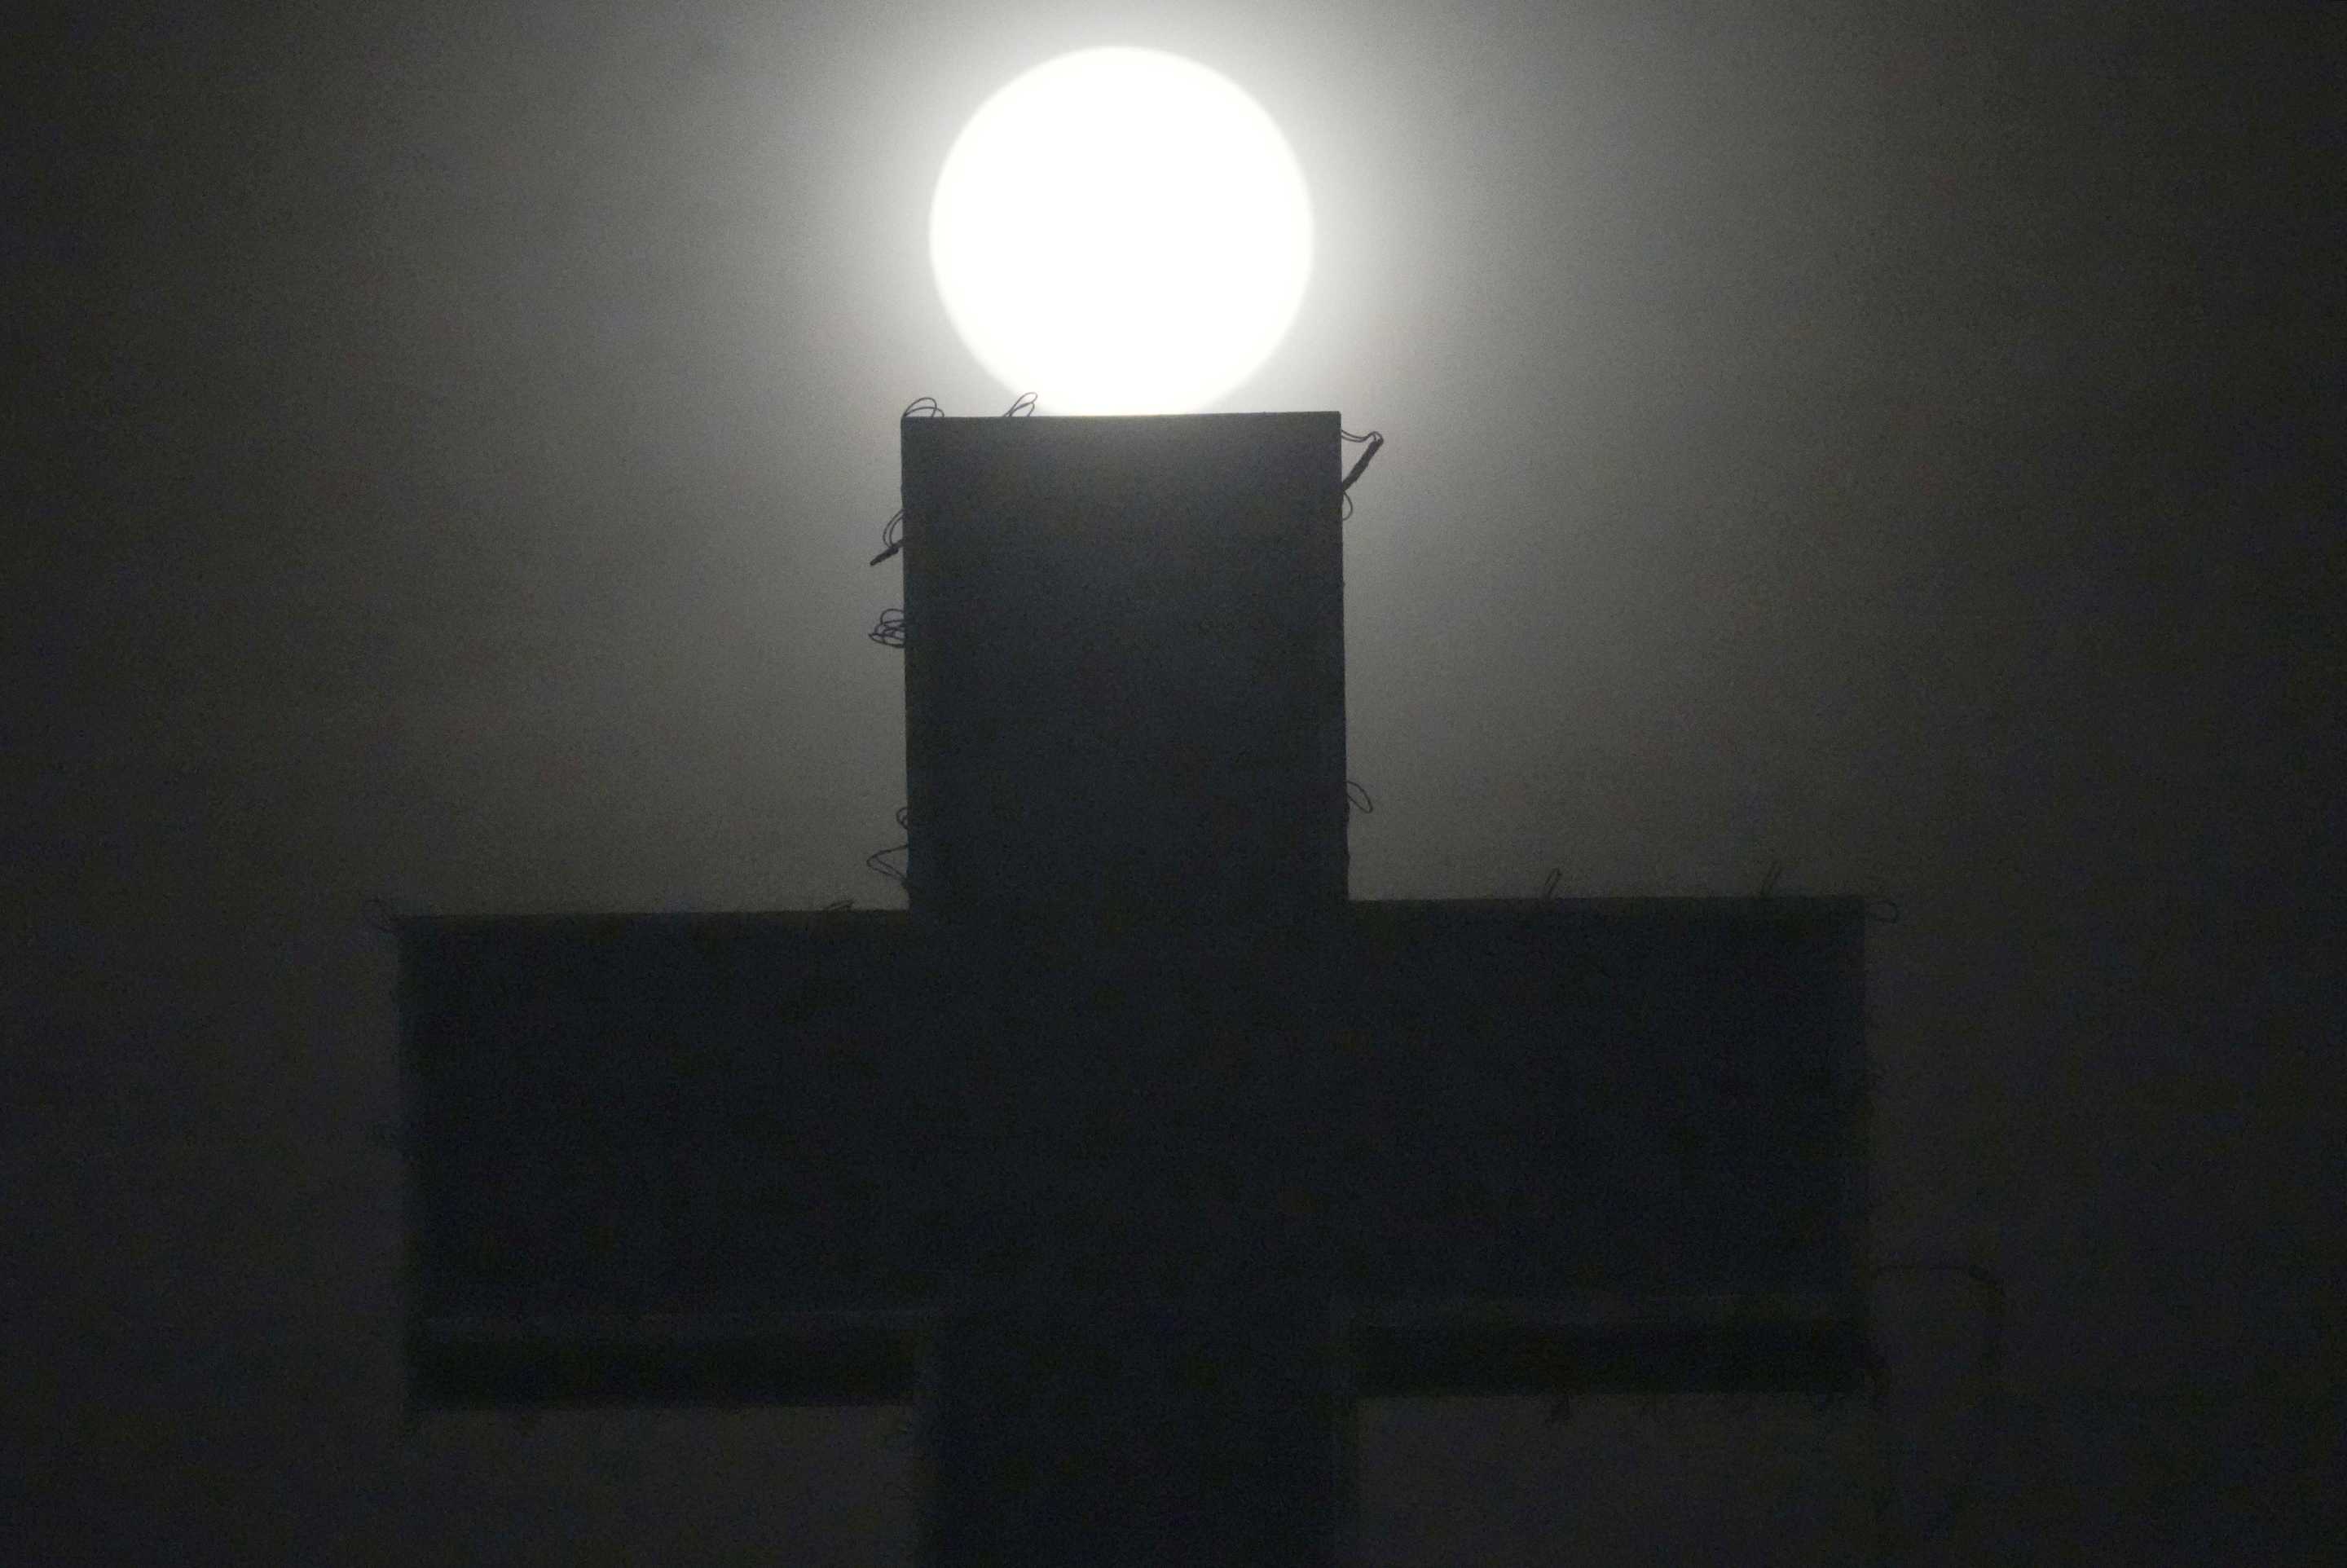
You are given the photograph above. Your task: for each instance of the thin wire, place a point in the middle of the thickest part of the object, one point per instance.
(1547, 888)
(1373, 441)
(889, 629)
(892, 532)
(878, 861)
(1768, 883)
(1356, 798)
(1023, 407)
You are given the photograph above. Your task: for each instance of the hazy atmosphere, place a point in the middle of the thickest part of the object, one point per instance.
(1896, 444)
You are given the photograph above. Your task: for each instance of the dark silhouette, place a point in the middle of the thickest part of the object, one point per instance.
(1135, 1149)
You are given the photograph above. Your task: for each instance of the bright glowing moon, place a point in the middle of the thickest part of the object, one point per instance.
(1120, 231)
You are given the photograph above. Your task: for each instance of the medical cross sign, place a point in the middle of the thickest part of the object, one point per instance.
(1138, 1184)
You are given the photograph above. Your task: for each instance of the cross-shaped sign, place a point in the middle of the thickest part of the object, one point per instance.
(1138, 1239)
(1134, 1212)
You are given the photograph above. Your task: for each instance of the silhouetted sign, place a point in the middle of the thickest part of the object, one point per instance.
(1134, 1147)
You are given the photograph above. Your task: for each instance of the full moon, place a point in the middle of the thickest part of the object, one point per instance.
(1120, 231)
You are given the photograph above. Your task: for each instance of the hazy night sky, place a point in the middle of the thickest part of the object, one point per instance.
(1900, 440)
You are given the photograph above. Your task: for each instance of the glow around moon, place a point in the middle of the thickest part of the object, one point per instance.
(1120, 231)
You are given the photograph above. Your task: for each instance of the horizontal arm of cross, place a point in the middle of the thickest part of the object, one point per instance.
(767, 1154)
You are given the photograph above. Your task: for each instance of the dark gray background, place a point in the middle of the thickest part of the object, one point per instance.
(1898, 440)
